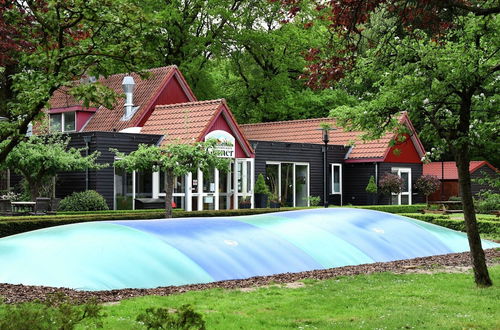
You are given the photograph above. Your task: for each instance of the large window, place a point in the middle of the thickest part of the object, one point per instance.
(63, 122)
(289, 181)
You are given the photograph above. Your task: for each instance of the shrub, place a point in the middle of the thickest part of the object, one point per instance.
(371, 187)
(57, 312)
(455, 198)
(487, 201)
(391, 183)
(89, 200)
(427, 184)
(314, 200)
(163, 318)
(260, 185)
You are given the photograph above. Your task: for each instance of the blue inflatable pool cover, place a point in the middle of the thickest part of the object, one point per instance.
(151, 253)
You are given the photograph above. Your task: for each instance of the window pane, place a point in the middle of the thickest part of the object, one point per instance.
(272, 179)
(223, 182)
(55, 122)
(209, 180)
(123, 189)
(287, 184)
(406, 177)
(336, 179)
(405, 199)
(144, 185)
(395, 200)
(180, 185)
(69, 121)
(301, 183)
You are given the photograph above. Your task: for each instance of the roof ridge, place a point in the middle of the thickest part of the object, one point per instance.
(191, 103)
(289, 121)
(129, 73)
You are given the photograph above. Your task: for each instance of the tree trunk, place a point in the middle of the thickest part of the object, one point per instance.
(481, 276)
(169, 192)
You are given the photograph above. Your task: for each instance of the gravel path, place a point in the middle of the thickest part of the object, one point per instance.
(21, 293)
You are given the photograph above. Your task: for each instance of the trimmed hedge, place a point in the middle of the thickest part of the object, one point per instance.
(17, 225)
(393, 208)
(484, 226)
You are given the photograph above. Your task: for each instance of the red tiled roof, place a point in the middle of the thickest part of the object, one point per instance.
(182, 122)
(110, 119)
(450, 168)
(307, 131)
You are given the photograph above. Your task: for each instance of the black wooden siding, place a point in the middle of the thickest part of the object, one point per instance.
(357, 175)
(300, 153)
(481, 173)
(100, 180)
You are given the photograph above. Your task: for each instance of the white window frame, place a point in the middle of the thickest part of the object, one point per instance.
(398, 171)
(308, 186)
(62, 120)
(333, 165)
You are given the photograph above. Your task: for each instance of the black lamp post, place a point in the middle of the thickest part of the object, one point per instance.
(326, 138)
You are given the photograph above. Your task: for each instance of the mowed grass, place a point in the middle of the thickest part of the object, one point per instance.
(378, 301)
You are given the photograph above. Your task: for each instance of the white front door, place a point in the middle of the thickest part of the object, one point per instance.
(403, 198)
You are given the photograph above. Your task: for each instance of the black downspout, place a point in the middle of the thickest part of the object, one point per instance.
(87, 140)
(325, 192)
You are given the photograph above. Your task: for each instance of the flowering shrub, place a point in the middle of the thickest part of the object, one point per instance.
(427, 184)
(391, 183)
(10, 196)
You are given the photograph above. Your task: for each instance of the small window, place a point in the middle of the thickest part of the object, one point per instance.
(63, 122)
(56, 122)
(336, 178)
(69, 122)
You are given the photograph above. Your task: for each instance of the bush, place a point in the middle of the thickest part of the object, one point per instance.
(427, 184)
(260, 185)
(484, 226)
(371, 187)
(487, 201)
(89, 200)
(314, 200)
(57, 312)
(163, 318)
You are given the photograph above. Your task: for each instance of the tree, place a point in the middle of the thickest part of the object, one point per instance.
(39, 159)
(438, 60)
(427, 184)
(47, 44)
(174, 160)
(390, 184)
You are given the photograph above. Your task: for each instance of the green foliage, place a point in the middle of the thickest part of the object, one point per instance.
(455, 198)
(371, 187)
(163, 318)
(487, 201)
(57, 312)
(54, 44)
(89, 200)
(39, 158)
(314, 200)
(260, 185)
(484, 226)
(427, 184)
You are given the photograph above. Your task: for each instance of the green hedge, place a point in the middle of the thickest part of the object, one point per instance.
(16, 225)
(485, 226)
(393, 208)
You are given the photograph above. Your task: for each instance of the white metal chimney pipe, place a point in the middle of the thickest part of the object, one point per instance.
(128, 85)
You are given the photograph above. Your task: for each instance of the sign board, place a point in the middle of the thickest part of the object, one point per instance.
(225, 143)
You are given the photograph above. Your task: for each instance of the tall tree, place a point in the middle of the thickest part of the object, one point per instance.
(438, 60)
(175, 160)
(46, 44)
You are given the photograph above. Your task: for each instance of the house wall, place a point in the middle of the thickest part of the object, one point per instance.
(171, 94)
(221, 124)
(403, 152)
(483, 172)
(357, 175)
(100, 180)
(300, 153)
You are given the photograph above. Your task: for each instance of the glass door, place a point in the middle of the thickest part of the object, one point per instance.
(403, 198)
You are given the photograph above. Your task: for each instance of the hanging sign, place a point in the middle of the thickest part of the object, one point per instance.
(225, 143)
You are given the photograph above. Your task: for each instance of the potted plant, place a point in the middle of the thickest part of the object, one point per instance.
(261, 192)
(371, 189)
(245, 203)
(274, 201)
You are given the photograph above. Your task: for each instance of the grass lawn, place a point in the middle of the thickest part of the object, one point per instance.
(382, 301)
